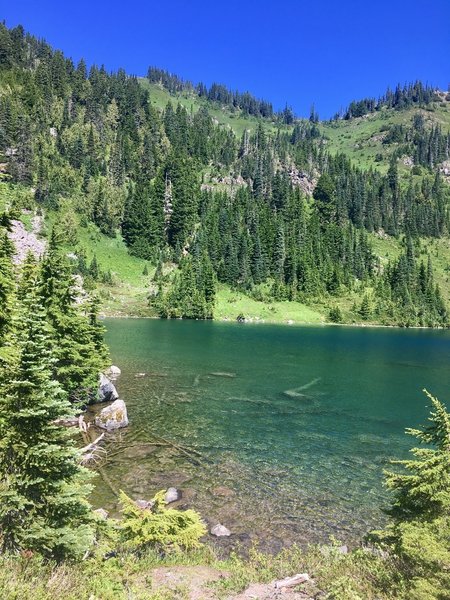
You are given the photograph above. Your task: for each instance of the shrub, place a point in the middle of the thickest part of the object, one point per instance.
(156, 525)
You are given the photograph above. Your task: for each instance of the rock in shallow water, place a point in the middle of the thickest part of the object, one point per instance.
(172, 495)
(144, 504)
(106, 390)
(223, 491)
(113, 371)
(113, 416)
(220, 531)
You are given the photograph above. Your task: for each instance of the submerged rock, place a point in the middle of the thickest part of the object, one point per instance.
(144, 504)
(106, 390)
(113, 416)
(113, 371)
(101, 513)
(172, 495)
(220, 531)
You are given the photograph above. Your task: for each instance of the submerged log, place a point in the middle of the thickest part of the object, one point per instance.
(93, 445)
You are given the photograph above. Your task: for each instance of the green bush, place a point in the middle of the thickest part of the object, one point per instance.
(156, 525)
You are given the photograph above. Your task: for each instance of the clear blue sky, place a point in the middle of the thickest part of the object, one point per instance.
(322, 52)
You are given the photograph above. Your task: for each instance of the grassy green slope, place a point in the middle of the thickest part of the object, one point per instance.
(238, 122)
(361, 139)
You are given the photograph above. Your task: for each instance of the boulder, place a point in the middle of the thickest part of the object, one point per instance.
(144, 504)
(172, 495)
(113, 416)
(220, 531)
(106, 390)
(101, 513)
(113, 371)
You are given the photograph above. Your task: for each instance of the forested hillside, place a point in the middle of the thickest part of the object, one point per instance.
(212, 190)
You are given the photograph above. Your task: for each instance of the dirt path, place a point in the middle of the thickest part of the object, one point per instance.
(197, 583)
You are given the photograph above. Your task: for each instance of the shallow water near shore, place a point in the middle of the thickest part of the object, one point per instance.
(280, 433)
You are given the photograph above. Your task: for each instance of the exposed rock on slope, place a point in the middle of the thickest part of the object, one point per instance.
(27, 241)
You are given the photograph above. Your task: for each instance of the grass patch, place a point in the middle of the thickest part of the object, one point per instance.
(361, 139)
(231, 303)
(178, 576)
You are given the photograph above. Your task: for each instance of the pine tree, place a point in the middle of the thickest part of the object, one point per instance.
(43, 490)
(365, 309)
(6, 283)
(79, 356)
(419, 527)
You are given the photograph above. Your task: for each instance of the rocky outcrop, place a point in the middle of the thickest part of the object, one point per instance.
(26, 241)
(106, 390)
(113, 416)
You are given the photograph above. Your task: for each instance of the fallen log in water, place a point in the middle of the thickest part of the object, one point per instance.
(93, 445)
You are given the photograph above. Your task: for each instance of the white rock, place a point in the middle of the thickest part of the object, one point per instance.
(113, 416)
(220, 530)
(172, 495)
(101, 513)
(113, 372)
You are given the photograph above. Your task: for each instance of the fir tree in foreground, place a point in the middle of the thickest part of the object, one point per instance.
(43, 489)
(419, 531)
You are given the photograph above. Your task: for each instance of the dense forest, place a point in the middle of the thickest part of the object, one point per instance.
(185, 190)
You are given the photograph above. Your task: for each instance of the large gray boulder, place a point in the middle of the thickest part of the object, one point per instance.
(106, 390)
(113, 416)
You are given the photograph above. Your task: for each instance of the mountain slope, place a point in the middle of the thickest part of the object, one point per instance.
(207, 191)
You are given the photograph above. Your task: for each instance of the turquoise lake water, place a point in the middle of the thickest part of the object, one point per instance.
(281, 433)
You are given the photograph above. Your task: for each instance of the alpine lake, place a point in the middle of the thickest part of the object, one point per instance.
(281, 433)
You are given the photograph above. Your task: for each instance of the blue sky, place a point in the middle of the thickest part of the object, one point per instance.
(322, 52)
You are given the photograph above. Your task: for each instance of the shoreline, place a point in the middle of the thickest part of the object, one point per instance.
(104, 316)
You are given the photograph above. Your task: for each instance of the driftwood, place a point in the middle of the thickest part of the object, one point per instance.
(108, 481)
(69, 422)
(137, 444)
(92, 452)
(189, 452)
(292, 581)
(82, 425)
(93, 445)
(73, 422)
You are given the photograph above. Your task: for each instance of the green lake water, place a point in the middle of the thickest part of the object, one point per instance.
(281, 433)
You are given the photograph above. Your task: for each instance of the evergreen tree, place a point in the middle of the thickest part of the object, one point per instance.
(419, 527)
(79, 355)
(6, 283)
(43, 490)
